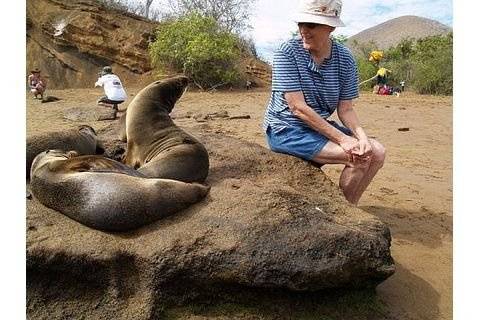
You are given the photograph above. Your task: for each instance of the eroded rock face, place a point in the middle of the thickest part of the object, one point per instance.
(270, 221)
(70, 40)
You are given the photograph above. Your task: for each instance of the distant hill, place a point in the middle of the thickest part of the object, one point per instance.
(391, 32)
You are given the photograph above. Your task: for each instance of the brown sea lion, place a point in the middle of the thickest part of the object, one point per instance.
(122, 127)
(105, 194)
(155, 145)
(82, 139)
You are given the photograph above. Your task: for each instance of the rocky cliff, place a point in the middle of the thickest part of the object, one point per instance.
(71, 40)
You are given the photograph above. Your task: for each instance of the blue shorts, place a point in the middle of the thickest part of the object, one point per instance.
(299, 141)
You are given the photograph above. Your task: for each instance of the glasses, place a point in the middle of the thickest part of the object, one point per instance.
(307, 25)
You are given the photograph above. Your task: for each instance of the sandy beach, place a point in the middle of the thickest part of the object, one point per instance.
(412, 193)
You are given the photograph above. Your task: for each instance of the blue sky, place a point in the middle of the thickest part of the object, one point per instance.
(272, 21)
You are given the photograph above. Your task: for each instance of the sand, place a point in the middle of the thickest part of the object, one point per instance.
(412, 193)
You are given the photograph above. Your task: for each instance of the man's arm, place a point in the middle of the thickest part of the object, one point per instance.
(349, 118)
(298, 106)
(30, 81)
(99, 82)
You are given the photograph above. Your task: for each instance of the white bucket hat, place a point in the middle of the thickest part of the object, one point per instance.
(320, 12)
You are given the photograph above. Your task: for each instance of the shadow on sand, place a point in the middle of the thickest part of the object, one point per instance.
(408, 296)
(402, 297)
(425, 227)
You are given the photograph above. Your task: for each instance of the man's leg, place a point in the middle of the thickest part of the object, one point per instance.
(375, 163)
(103, 101)
(40, 90)
(353, 173)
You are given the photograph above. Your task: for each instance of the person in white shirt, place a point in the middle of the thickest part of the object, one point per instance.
(114, 91)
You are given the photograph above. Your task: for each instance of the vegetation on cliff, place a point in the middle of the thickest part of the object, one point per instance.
(202, 40)
(199, 48)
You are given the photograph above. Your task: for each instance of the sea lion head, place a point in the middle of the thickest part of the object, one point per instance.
(85, 129)
(89, 133)
(165, 93)
(51, 155)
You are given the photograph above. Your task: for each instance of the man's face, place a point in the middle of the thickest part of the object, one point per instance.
(313, 34)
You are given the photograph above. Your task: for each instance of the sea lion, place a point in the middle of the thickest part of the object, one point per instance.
(122, 127)
(105, 194)
(83, 139)
(155, 145)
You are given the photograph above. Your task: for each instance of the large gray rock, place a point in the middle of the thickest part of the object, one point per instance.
(270, 221)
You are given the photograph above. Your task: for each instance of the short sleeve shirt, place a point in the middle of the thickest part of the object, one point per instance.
(113, 87)
(323, 86)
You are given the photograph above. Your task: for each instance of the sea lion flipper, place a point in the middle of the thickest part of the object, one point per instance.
(101, 164)
(99, 149)
(128, 171)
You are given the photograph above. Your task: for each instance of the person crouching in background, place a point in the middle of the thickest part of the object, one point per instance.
(37, 83)
(114, 92)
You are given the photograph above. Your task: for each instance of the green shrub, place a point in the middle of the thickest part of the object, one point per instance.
(366, 70)
(425, 64)
(399, 60)
(433, 65)
(199, 48)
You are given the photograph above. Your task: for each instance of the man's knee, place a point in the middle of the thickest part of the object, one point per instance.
(360, 164)
(378, 153)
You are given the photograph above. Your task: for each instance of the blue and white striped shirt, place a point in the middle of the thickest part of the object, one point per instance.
(322, 86)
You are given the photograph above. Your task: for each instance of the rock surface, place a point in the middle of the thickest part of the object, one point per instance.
(89, 113)
(270, 221)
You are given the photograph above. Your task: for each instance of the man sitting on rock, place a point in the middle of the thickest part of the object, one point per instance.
(114, 91)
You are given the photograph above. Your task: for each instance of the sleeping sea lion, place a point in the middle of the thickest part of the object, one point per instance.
(155, 145)
(82, 139)
(105, 194)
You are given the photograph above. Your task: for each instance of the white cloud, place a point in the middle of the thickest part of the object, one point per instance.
(272, 20)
